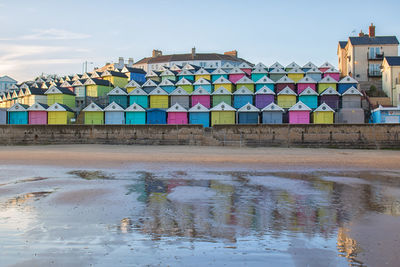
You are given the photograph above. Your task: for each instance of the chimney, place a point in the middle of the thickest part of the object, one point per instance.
(232, 53)
(193, 52)
(130, 62)
(361, 34)
(156, 53)
(121, 63)
(372, 30)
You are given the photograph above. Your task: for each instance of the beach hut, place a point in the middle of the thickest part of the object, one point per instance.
(181, 97)
(97, 87)
(291, 66)
(326, 66)
(276, 65)
(286, 98)
(18, 114)
(59, 114)
(223, 83)
(221, 95)
(135, 114)
(258, 73)
(315, 74)
(295, 74)
(346, 83)
(306, 82)
(248, 114)
(202, 96)
(323, 114)
(34, 95)
(245, 82)
(168, 75)
(264, 97)
(186, 85)
(167, 85)
(115, 77)
(132, 85)
(153, 75)
(309, 97)
(114, 114)
(202, 74)
(159, 98)
(260, 66)
(227, 67)
(156, 116)
(218, 73)
(176, 68)
(140, 97)
(3, 116)
(245, 67)
(60, 95)
(265, 82)
(333, 73)
(351, 98)
(187, 74)
(354, 116)
(242, 96)
(272, 114)
(222, 114)
(386, 115)
(95, 75)
(327, 82)
(134, 74)
(276, 74)
(283, 83)
(119, 96)
(79, 88)
(299, 114)
(309, 66)
(199, 114)
(205, 84)
(190, 67)
(93, 114)
(37, 113)
(236, 74)
(177, 114)
(331, 97)
(149, 86)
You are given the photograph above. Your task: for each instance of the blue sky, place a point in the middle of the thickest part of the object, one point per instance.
(58, 36)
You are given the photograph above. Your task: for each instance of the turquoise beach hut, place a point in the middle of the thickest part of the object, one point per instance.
(18, 114)
(204, 83)
(119, 96)
(242, 96)
(187, 74)
(140, 97)
(218, 73)
(167, 85)
(258, 74)
(135, 115)
(265, 82)
(309, 97)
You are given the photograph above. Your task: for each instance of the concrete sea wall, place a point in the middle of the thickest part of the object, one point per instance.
(374, 136)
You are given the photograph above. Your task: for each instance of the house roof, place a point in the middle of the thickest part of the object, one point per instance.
(299, 106)
(308, 91)
(244, 65)
(179, 91)
(243, 91)
(277, 71)
(328, 79)
(176, 108)
(387, 108)
(152, 73)
(326, 65)
(167, 72)
(36, 91)
(331, 70)
(134, 70)
(201, 71)
(314, 70)
(227, 65)
(393, 61)
(188, 57)
(276, 65)
(150, 83)
(342, 44)
(198, 108)
(293, 65)
(113, 73)
(309, 65)
(221, 91)
(218, 71)
(296, 70)
(135, 108)
(38, 107)
(200, 91)
(137, 91)
(324, 107)
(248, 108)
(222, 107)
(377, 40)
(185, 73)
(94, 81)
(259, 71)
(265, 91)
(166, 82)
(184, 81)
(352, 91)
(18, 107)
(273, 107)
(113, 107)
(236, 70)
(133, 83)
(260, 66)
(58, 90)
(117, 91)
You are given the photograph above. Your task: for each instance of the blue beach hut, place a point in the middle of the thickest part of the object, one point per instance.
(199, 114)
(140, 97)
(135, 114)
(204, 83)
(265, 81)
(18, 114)
(156, 116)
(241, 97)
(149, 86)
(187, 74)
(346, 83)
(272, 114)
(167, 85)
(114, 114)
(309, 66)
(248, 114)
(218, 73)
(315, 74)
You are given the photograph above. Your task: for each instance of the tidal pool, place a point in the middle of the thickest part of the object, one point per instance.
(197, 216)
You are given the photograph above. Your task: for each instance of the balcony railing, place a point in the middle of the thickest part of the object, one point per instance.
(374, 73)
(376, 56)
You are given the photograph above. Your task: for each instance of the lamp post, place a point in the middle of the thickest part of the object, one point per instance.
(85, 66)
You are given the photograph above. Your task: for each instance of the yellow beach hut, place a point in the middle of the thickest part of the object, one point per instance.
(59, 114)
(60, 95)
(115, 77)
(223, 82)
(223, 114)
(325, 83)
(295, 74)
(324, 114)
(132, 85)
(202, 73)
(286, 98)
(159, 98)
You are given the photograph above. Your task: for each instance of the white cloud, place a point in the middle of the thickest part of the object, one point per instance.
(50, 34)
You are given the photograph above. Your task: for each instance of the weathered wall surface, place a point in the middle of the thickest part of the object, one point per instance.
(284, 135)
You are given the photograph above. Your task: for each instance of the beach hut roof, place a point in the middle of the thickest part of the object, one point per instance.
(92, 107)
(158, 91)
(167, 72)
(324, 107)
(307, 79)
(326, 65)
(245, 80)
(201, 71)
(21, 92)
(59, 107)
(277, 71)
(176, 108)
(80, 82)
(221, 91)
(265, 91)
(244, 65)
(328, 79)
(202, 81)
(329, 91)
(309, 65)
(314, 71)
(287, 91)
(222, 107)
(332, 70)
(190, 67)
(227, 65)
(219, 71)
(380, 107)
(273, 107)
(108, 73)
(175, 67)
(18, 107)
(198, 108)
(150, 83)
(222, 80)
(95, 74)
(293, 65)
(259, 71)
(348, 79)
(184, 81)
(135, 108)
(200, 91)
(166, 82)
(58, 90)
(185, 72)
(264, 80)
(113, 107)
(137, 91)
(38, 107)
(260, 66)
(243, 91)
(151, 73)
(296, 70)
(94, 81)
(86, 75)
(299, 106)
(65, 84)
(352, 91)
(308, 91)
(179, 91)
(248, 108)
(276, 65)
(236, 70)
(117, 91)
(285, 79)
(133, 83)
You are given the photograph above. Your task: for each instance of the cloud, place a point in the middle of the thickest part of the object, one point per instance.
(50, 34)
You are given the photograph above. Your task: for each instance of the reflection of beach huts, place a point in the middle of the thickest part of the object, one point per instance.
(286, 98)
(241, 97)
(59, 114)
(185, 84)
(114, 114)
(309, 97)
(327, 82)
(245, 82)
(315, 74)
(135, 115)
(236, 74)
(306, 82)
(94, 114)
(205, 84)
(177, 115)
(331, 97)
(386, 115)
(201, 96)
(263, 97)
(323, 114)
(167, 85)
(218, 73)
(119, 96)
(265, 81)
(351, 98)
(299, 114)
(346, 83)
(18, 114)
(199, 114)
(140, 97)
(37, 113)
(272, 114)
(295, 74)
(248, 114)
(221, 95)
(223, 114)
(333, 73)
(283, 83)
(156, 116)
(181, 97)
(276, 74)
(223, 82)
(159, 98)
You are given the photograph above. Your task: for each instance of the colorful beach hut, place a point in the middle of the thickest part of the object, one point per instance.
(295, 74)
(199, 114)
(59, 114)
(258, 73)
(227, 67)
(149, 86)
(94, 114)
(3, 116)
(351, 98)
(327, 82)
(159, 98)
(181, 97)
(308, 66)
(386, 115)
(276, 65)
(286, 98)
(309, 97)
(246, 68)
(272, 114)
(248, 114)
(185, 84)
(140, 97)
(315, 74)
(223, 82)
(187, 74)
(153, 75)
(326, 66)
(167, 85)
(323, 114)
(333, 73)
(97, 87)
(177, 114)
(135, 114)
(18, 114)
(283, 83)
(202, 96)
(114, 114)
(346, 83)
(156, 116)
(236, 74)
(242, 96)
(168, 75)
(276, 74)
(202, 74)
(306, 82)
(245, 82)
(218, 73)
(291, 66)
(264, 97)
(37, 113)
(205, 84)
(60, 95)
(299, 114)
(265, 82)
(221, 95)
(331, 97)
(115, 77)
(355, 116)
(119, 96)
(132, 85)
(222, 114)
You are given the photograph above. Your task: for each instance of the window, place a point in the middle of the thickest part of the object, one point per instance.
(374, 70)
(374, 52)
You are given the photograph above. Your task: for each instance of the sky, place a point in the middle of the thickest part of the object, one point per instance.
(56, 37)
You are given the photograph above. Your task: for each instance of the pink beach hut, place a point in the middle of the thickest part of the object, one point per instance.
(299, 114)
(246, 68)
(202, 96)
(326, 66)
(37, 113)
(334, 73)
(305, 83)
(177, 115)
(236, 74)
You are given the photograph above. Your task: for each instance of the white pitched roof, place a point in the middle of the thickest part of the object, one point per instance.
(236, 70)
(277, 71)
(137, 91)
(259, 71)
(185, 72)
(158, 91)
(326, 65)
(314, 70)
(176, 108)
(133, 83)
(65, 84)
(221, 91)
(330, 91)
(188, 67)
(276, 65)
(167, 72)
(183, 81)
(175, 67)
(117, 91)
(219, 71)
(260, 66)
(37, 107)
(307, 79)
(198, 108)
(308, 91)
(151, 74)
(150, 83)
(227, 65)
(265, 91)
(202, 81)
(299, 106)
(135, 108)
(273, 107)
(264, 80)
(56, 107)
(17, 107)
(287, 91)
(113, 107)
(352, 91)
(309, 65)
(324, 107)
(332, 70)
(293, 65)
(179, 91)
(248, 108)
(52, 90)
(200, 91)
(328, 79)
(166, 82)
(285, 79)
(348, 79)
(222, 80)
(77, 83)
(201, 71)
(245, 80)
(243, 91)
(222, 107)
(244, 65)
(92, 107)
(296, 70)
